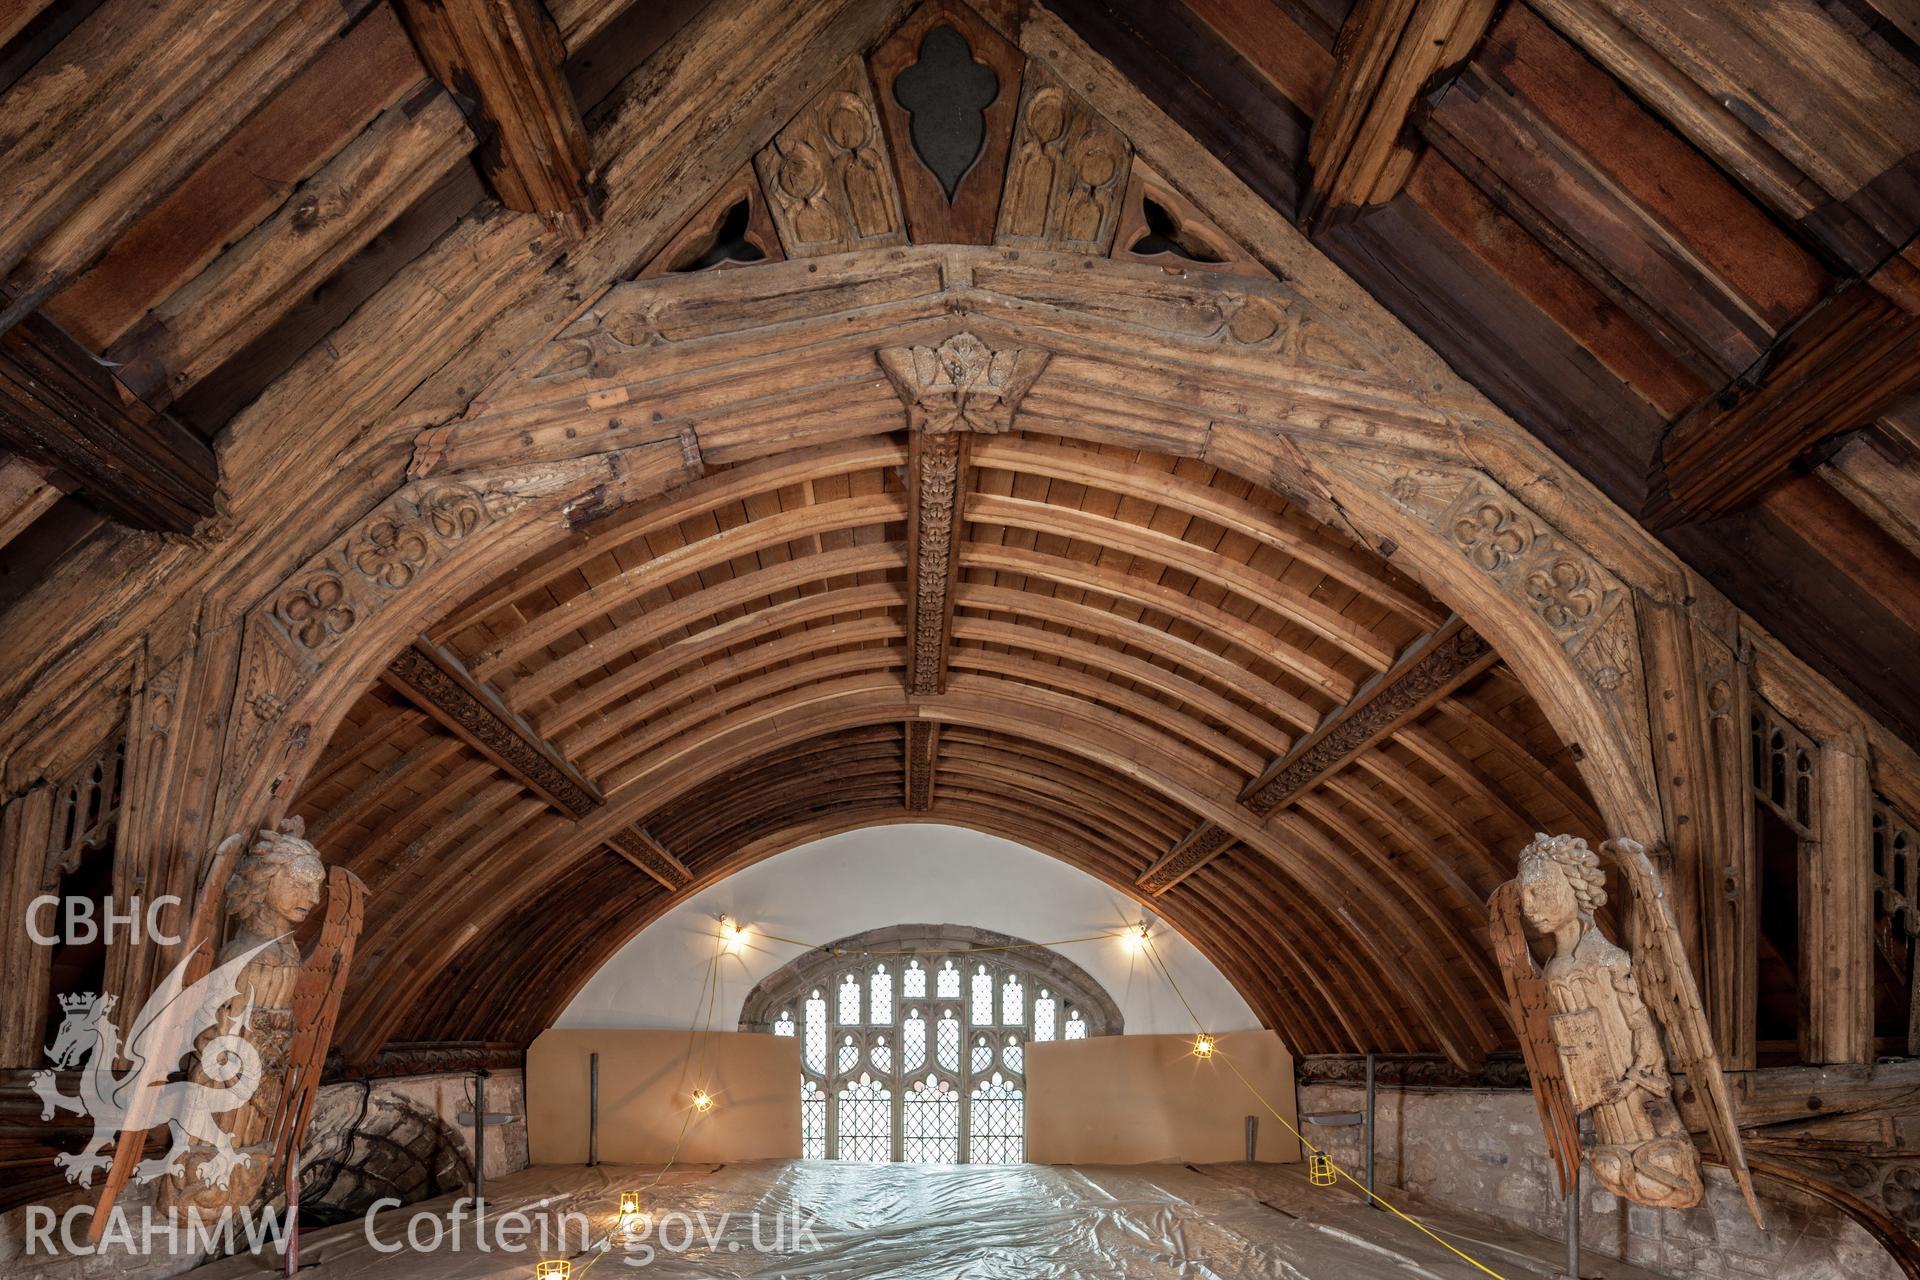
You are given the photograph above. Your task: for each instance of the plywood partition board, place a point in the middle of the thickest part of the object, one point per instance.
(646, 1081)
(1148, 1100)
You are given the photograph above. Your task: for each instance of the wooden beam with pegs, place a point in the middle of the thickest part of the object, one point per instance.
(439, 684)
(504, 62)
(1431, 668)
(64, 409)
(1387, 55)
(643, 851)
(1847, 363)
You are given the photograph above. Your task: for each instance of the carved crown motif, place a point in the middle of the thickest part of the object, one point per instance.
(962, 384)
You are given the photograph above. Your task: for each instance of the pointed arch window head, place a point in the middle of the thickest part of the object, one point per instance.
(872, 1086)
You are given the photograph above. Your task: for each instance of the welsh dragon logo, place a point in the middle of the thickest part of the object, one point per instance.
(157, 1046)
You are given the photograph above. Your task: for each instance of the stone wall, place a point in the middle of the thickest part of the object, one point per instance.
(1481, 1150)
(395, 1136)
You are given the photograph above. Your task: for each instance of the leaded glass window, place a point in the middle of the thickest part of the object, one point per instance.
(913, 1040)
(999, 1128)
(866, 1121)
(813, 1120)
(849, 1001)
(1044, 1011)
(931, 1122)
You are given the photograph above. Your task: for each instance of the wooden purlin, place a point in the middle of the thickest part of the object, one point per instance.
(1430, 669)
(439, 683)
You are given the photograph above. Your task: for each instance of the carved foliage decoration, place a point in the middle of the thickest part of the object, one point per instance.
(962, 384)
(936, 483)
(1207, 842)
(1066, 173)
(338, 590)
(828, 177)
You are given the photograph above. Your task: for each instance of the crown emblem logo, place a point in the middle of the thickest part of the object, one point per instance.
(80, 1002)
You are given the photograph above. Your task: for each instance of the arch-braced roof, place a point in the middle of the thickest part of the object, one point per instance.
(1012, 517)
(1133, 639)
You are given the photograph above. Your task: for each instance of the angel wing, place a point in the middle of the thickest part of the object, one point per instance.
(1667, 984)
(1530, 1009)
(316, 1003)
(171, 1022)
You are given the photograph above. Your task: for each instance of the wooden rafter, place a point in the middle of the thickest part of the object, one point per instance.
(1387, 53)
(1843, 366)
(937, 491)
(439, 684)
(504, 60)
(64, 409)
(648, 854)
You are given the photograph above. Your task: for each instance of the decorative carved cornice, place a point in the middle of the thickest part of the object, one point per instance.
(936, 483)
(1429, 670)
(427, 1058)
(962, 384)
(1206, 842)
(922, 747)
(436, 682)
(1415, 1071)
(648, 854)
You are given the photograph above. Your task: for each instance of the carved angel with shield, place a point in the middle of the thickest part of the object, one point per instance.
(1587, 1023)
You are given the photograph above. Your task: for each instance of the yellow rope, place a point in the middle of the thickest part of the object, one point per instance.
(1311, 1148)
(962, 951)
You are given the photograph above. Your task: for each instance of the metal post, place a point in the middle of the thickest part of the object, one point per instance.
(593, 1109)
(293, 1213)
(1253, 1138)
(1573, 1228)
(479, 1142)
(1369, 1135)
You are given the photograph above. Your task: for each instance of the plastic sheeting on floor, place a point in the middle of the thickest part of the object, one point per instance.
(804, 1219)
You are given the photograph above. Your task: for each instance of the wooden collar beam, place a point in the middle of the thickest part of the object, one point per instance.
(439, 684)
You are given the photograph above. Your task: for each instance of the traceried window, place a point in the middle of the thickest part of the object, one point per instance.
(914, 1038)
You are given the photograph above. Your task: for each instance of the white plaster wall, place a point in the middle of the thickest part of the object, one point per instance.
(899, 875)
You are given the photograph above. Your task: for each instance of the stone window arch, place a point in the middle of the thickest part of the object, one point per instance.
(914, 1039)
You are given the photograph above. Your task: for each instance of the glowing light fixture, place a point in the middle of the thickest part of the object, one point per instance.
(733, 935)
(1136, 937)
(629, 1204)
(702, 1100)
(1320, 1170)
(1203, 1045)
(553, 1269)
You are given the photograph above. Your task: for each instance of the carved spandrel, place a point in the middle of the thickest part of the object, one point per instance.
(1163, 227)
(828, 177)
(962, 384)
(1065, 174)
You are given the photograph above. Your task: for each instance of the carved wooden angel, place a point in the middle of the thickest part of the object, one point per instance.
(1589, 1009)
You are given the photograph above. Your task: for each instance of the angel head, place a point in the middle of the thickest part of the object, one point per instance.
(1560, 882)
(278, 884)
